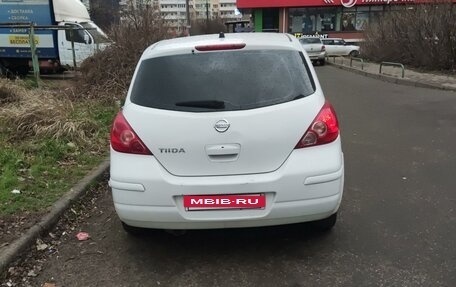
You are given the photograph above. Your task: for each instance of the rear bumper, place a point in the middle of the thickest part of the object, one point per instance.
(320, 56)
(282, 213)
(307, 187)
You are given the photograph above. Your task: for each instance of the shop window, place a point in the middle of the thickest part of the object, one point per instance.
(362, 20)
(308, 21)
(376, 13)
(312, 20)
(328, 18)
(348, 21)
(271, 20)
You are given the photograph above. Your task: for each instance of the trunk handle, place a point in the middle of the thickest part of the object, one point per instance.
(223, 152)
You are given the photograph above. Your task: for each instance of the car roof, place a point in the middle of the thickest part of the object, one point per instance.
(252, 40)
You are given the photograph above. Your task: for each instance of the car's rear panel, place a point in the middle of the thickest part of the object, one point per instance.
(313, 49)
(257, 141)
(313, 46)
(265, 99)
(308, 186)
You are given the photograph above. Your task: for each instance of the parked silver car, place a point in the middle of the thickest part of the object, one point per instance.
(314, 48)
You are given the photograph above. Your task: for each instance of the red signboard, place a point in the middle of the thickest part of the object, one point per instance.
(313, 3)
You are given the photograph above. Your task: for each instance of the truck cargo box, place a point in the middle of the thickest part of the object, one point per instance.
(14, 42)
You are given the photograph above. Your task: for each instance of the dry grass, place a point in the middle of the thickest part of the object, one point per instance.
(28, 113)
(7, 93)
(421, 36)
(106, 76)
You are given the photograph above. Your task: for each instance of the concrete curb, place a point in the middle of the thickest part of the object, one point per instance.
(390, 79)
(14, 250)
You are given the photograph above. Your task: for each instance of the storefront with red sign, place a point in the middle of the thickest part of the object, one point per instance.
(328, 18)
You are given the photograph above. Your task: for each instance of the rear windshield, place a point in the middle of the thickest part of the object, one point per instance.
(222, 81)
(310, 41)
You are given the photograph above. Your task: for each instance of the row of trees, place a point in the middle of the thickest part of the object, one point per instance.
(423, 36)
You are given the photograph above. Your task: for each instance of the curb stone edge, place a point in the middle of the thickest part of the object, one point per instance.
(48, 221)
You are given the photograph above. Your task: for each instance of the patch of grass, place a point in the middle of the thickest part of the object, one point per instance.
(8, 94)
(41, 154)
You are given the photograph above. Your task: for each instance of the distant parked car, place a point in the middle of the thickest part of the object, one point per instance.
(338, 47)
(314, 48)
(243, 137)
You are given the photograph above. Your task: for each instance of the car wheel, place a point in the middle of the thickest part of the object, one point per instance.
(322, 62)
(354, 53)
(325, 224)
(132, 230)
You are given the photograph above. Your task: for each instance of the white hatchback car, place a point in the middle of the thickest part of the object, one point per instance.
(224, 131)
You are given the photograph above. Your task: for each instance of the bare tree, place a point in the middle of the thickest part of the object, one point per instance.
(204, 26)
(423, 36)
(105, 12)
(108, 73)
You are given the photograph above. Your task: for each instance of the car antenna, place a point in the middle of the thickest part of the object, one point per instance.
(221, 35)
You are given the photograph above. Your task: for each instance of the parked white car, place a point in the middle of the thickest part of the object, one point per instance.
(223, 131)
(338, 47)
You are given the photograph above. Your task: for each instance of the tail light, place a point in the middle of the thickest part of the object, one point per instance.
(220, 47)
(124, 139)
(324, 128)
(323, 48)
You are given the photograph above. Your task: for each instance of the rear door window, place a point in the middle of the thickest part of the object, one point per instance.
(310, 41)
(222, 81)
(328, 42)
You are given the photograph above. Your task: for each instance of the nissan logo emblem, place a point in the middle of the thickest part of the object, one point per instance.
(222, 126)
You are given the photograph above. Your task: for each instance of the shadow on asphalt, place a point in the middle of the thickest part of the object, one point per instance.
(216, 239)
(245, 247)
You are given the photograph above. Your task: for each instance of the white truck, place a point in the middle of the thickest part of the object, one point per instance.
(54, 43)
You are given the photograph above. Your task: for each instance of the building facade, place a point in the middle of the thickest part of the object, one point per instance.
(228, 10)
(174, 12)
(214, 9)
(328, 18)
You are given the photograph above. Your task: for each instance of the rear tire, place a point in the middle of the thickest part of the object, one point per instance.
(322, 62)
(325, 224)
(354, 53)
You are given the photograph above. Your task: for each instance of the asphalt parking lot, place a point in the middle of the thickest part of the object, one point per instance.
(397, 224)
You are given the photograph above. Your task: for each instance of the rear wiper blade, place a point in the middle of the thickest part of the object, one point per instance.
(208, 104)
(300, 96)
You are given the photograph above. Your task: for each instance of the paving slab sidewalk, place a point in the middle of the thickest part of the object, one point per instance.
(394, 74)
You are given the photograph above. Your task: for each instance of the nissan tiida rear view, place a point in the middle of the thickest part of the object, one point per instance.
(224, 131)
